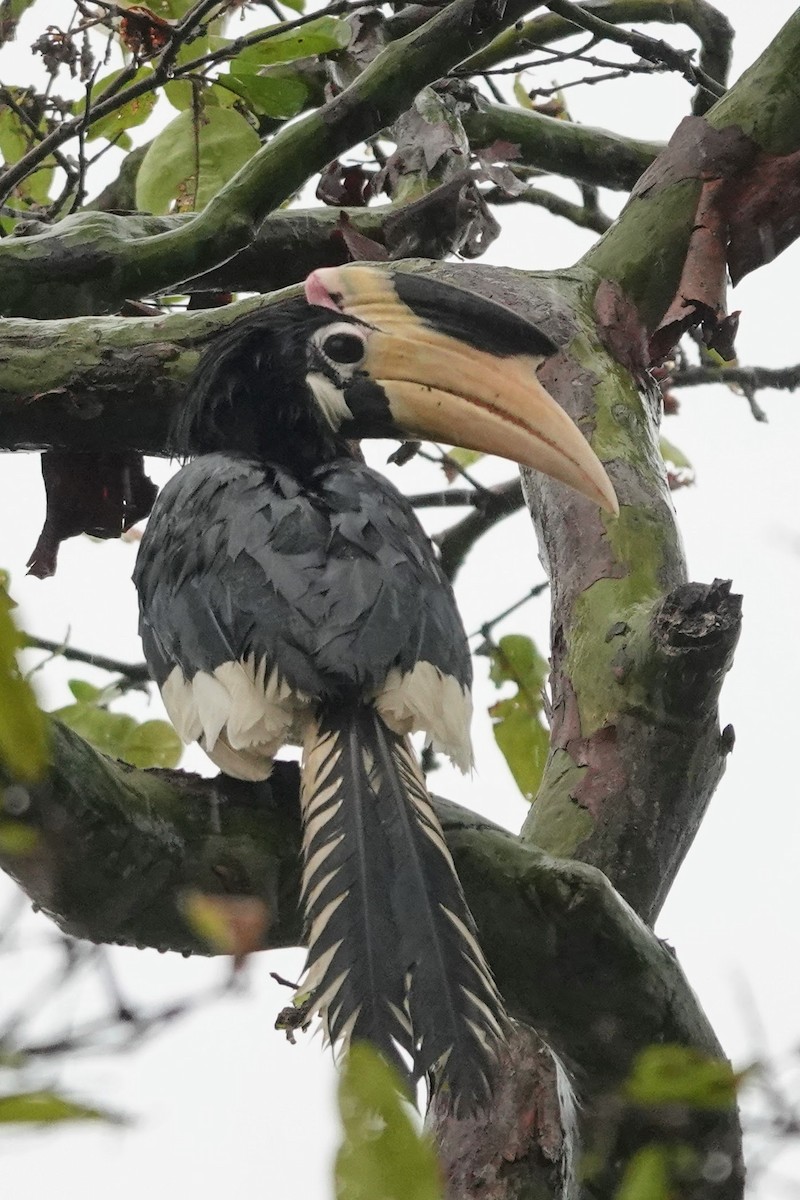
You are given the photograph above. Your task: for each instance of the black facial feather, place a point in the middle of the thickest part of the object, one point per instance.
(249, 396)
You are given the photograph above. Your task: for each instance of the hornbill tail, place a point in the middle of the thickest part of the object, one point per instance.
(393, 952)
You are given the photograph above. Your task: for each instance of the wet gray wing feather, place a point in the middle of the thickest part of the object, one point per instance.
(334, 582)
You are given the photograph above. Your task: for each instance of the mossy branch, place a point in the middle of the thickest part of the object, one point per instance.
(117, 850)
(288, 244)
(592, 156)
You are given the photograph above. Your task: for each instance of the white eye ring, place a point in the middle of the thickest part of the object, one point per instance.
(343, 345)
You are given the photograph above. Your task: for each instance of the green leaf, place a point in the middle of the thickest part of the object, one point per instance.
(23, 728)
(17, 838)
(104, 730)
(152, 744)
(647, 1175)
(46, 1108)
(323, 36)
(518, 725)
(465, 458)
(520, 95)
(298, 6)
(145, 744)
(382, 1154)
(180, 93)
(274, 96)
(15, 141)
(82, 690)
(188, 170)
(680, 1075)
(135, 112)
(671, 453)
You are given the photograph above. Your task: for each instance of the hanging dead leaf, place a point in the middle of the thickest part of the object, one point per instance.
(143, 32)
(99, 494)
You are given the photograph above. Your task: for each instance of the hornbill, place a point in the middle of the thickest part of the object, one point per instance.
(288, 594)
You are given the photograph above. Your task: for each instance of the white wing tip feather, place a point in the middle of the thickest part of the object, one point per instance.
(427, 699)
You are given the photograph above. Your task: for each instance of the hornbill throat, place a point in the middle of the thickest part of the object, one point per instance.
(459, 368)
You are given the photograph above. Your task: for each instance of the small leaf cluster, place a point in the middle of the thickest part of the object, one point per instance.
(518, 720)
(142, 744)
(382, 1154)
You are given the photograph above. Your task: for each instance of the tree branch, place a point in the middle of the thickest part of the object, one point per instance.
(229, 221)
(177, 833)
(645, 47)
(456, 542)
(135, 673)
(710, 26)
(784, 379)
(580, 152)
(118, 851)
(578, 214)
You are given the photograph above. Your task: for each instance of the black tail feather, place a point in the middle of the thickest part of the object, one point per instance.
(393, 952)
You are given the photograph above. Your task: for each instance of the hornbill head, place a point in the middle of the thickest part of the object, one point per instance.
(374, 354)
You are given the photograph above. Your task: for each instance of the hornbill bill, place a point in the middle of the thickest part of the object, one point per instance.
(288, 594)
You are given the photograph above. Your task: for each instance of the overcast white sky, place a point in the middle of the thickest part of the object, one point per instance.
(221, 1103)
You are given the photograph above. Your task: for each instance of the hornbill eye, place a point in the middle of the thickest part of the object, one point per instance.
(344, 346)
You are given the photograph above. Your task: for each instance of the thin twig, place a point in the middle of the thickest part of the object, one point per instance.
(784, 379)
(456, 542)
(135, 672)
(448, 498)
(486, 628)
(646, 47)
(586, 218)
(447, 461)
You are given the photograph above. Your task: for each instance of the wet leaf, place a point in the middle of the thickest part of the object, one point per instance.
(84, 691)
(104, 730)
(464, 458)
(145, 744)
(184, 168)
(360, 247)
(347, 184)
(16, 837)
(518, 720)
(23, 728)
(47, 1108)
(234, 925)
(382, 1154)
(144, 32)
(453, 218)
(323, 36)
(520, 94)
(680, 1075)
(152, 744)
(274, 96)
(15, 141)
(135, 112)
(647, 1176)
(431, 148)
